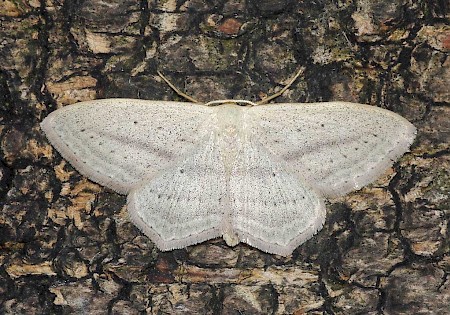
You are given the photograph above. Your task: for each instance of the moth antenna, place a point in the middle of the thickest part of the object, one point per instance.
(173, 87)
(291, 81)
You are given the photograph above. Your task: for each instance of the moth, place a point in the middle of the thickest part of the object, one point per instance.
(252, 174)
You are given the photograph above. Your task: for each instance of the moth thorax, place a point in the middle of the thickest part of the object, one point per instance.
(230, 123)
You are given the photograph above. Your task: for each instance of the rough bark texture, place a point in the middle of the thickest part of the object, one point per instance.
(66, 245)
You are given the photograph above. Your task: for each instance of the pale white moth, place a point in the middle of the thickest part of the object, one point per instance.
(252, 174)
